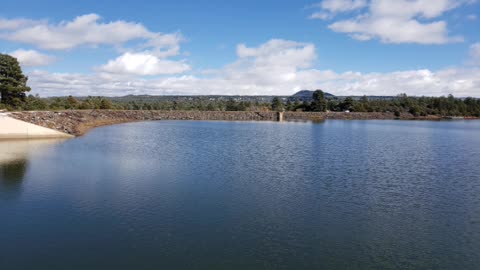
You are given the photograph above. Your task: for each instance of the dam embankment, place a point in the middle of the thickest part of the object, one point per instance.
(78, 122)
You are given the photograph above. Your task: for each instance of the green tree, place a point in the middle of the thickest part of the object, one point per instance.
(347, 104)
(289, 105)
(231, 105)
(319, 103)
(13, 84)
(277, 104)
(306, 106)
(72, 102)
(35, 103)
(297, 105)
(105, 104)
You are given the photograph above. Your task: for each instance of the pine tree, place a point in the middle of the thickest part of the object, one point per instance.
(277, 104)
(319, 103)
(13, 84)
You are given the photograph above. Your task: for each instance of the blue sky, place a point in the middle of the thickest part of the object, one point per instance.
(346, 47)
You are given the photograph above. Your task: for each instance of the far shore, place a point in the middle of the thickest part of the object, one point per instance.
(79, 122)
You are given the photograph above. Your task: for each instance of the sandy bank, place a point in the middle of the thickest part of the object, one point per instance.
(15, 129)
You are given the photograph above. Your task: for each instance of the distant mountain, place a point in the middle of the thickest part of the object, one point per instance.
(307, 95)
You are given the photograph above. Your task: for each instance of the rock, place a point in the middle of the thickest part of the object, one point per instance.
(78, 122)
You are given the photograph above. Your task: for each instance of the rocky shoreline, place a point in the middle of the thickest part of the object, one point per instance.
(78, 122)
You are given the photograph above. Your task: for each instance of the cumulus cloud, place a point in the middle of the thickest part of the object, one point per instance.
(459, 82)
(277, 67)
(266, 67)
(12, 24)
(32, 58)
(475, 53)
(337, 6)
(145, 52)
(329, 8)
(279, 52)
(143, 64)
(85, 30)
(400, 21)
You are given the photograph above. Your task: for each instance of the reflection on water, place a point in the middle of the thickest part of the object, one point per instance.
(231, 195)
(13, 172)
(14, 161)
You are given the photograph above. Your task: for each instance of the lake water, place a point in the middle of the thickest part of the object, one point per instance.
(233, 195)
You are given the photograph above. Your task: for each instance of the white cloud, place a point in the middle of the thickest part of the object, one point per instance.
(394, 30)
(321, 16)
(475, 53)
(143, 64)
(277, 67)
(399, 21)
(330, 8)
(336, 6)
(472, 17)
(146, 52)
(85, 30)
(459, 82)
(32, 58)
(272, 63)
(15, 23)
(280, 53)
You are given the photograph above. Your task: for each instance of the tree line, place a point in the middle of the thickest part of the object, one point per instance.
(417, 106)
(104, 103)
(14, 89)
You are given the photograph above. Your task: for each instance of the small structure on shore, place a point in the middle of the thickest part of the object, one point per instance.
(280, 116)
